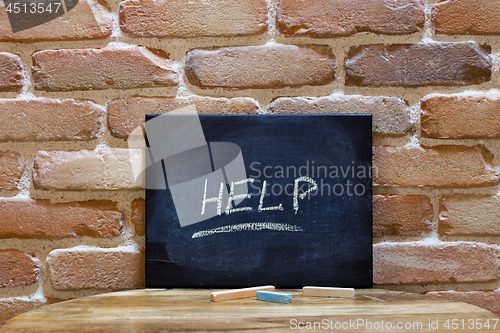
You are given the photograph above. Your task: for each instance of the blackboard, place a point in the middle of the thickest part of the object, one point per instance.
(313, 236)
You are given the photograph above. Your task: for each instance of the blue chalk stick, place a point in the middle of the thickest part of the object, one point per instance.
(271, 296)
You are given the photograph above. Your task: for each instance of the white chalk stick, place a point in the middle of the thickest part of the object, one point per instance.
(327, 292)
(237, 293)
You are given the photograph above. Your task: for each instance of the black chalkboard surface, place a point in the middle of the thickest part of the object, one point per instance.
(312, 225)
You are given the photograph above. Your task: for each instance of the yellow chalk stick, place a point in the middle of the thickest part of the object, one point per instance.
(237, 293)
(327, 292)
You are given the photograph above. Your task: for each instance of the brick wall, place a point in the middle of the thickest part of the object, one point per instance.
(73, 89)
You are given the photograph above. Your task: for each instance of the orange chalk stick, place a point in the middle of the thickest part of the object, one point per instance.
(327, 292)
(237, 293)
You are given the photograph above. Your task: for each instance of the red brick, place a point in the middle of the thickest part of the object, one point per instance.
(486, 299)
(28, 218)
(413, 263)
(401, 215)
(115, 269)
(261, 67)
(12, 167)
(417, 65)
(471, 116)
(332, 18)
(469, 215)
(460, 17)
(48, 119)
(17, 268)
(438, 166)
(198, 18)
(138, 216)
(11, 72)
(100, 169)
(107, 68)
(126, 114)
(11, 307)
(391, 115)
(89, 19)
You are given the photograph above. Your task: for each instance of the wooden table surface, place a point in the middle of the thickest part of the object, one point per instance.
(186, 310)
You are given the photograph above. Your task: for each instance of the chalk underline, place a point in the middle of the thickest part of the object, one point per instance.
(258, 226)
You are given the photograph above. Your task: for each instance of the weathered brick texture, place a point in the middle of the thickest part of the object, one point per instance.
(416, 65)
(460, 17)
(471, 116)
(11, 307)
(487, 299)
(138, 216)
(12, 166)
(391, 115)
(28, 218)
(397, 263)
(17, 268)
(126, 114)
(107, 68)
(89, 19)
(11, 72)
(261, 67)
(469, 215)
(115, 269)
(198, 18)
(47, 119)
(100, 169)
(248, 57)
(331, 18)
(401, 215)
(439, 166)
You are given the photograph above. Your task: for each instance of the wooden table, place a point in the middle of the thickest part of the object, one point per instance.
(159, 310)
